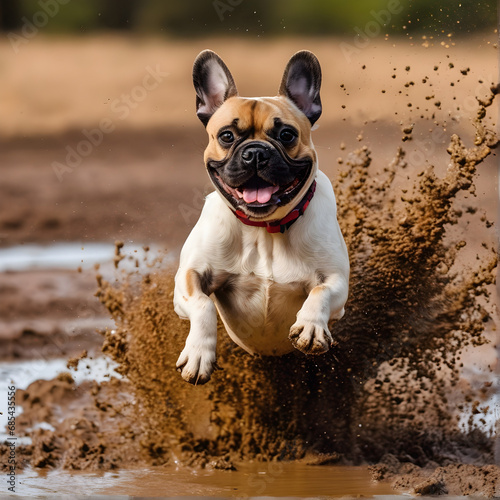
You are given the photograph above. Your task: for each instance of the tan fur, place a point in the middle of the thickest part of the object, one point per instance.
(257, 115)
(191, 276)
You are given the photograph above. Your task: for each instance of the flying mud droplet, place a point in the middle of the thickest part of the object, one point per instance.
(407, 131)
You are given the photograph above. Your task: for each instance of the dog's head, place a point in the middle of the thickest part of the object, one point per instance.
(260, 156)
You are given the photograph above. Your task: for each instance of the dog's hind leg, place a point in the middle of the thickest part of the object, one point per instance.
(197, 360)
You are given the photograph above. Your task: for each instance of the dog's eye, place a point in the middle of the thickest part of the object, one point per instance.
(287, 136)
(226, 137)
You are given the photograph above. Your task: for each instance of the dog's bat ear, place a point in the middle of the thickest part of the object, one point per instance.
(301, 83)
(213, 83)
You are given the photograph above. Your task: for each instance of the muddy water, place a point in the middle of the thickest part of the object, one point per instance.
(21, 374)
(68, 256)
(250, 480)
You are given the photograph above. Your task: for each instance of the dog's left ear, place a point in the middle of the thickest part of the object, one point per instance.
(301, 83)
(213, 83)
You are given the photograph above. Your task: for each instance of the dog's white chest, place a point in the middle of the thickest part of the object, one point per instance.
(257, 257)
(260, 300)
(258, 313)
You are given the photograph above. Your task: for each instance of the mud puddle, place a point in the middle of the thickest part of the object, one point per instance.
(68, 256)
(47, 304)
(250, 480)
(21, 374)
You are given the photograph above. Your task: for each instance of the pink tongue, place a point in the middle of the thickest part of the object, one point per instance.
(250, 195)
(262, 195)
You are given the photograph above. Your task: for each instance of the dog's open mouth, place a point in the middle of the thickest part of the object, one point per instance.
(258, 193)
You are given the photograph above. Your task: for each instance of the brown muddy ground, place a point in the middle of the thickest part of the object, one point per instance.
(390, 394)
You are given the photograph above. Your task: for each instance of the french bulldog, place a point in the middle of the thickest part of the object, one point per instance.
(267, 252)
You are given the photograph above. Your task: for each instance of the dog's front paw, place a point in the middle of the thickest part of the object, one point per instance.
(310, 338)
(196, 364)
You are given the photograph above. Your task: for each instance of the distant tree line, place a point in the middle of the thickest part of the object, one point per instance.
(249, 17)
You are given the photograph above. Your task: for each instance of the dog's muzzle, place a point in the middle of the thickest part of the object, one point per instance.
(259, 176)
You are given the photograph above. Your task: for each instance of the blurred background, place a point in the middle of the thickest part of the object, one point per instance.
(251, 17)
(89, 87)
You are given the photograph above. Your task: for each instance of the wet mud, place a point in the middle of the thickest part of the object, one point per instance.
(390, 393)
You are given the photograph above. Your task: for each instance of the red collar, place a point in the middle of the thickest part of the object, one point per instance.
(279, 226)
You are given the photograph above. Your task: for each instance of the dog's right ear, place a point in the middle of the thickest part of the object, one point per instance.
(213, 83)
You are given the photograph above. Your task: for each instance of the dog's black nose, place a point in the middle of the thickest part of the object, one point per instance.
(255, 155)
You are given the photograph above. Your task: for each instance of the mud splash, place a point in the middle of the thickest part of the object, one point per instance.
(409, 317)
(387, 392)
(423, 309)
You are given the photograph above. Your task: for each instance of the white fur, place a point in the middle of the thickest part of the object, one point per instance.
(279, 302)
